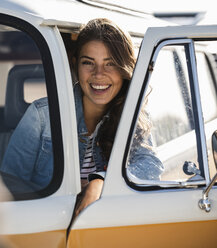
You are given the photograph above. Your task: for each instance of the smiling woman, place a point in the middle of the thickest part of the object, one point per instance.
(103, 62)
(108, 51)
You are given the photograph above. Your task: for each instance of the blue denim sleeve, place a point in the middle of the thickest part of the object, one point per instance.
(142, 162)
(22, 150)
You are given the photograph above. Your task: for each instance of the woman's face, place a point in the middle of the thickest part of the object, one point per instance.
(99, 78)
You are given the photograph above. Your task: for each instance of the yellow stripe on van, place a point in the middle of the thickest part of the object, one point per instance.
(186, 234)
(52, 239)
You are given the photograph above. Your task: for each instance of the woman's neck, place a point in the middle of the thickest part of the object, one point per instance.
(92, 114)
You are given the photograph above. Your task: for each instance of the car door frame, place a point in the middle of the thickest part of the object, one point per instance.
(43, 220)
(126, 216)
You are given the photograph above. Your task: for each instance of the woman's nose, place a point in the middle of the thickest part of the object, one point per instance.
(99, 70)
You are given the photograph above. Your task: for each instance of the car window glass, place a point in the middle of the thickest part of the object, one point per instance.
(22, 81)
(207, 89)
(167, 112)
(206, 67)
(34, 89)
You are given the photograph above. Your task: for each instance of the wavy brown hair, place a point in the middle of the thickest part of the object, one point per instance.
(121, 49)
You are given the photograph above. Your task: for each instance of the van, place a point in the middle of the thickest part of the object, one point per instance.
(176, 71)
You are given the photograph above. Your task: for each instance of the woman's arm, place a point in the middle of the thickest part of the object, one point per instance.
(22, 150)
(143, 162)
(91, 193)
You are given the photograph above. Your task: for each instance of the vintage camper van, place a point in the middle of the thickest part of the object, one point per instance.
(176, 67)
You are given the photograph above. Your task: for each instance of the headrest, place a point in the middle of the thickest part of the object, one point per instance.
(15, 104)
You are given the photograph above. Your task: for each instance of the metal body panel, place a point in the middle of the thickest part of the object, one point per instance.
(153, 207)
(74, 11)
(184, 234)
(124, 206)
(151, 39)
(53, 212)
(131, 216)
(54, 239)
(48, 214)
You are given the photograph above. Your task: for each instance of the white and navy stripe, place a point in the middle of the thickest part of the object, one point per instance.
(88, 162)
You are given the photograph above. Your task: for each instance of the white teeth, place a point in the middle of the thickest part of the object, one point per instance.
(100, 87)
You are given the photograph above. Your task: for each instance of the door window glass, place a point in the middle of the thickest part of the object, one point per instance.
(206, 67)
(165, 131)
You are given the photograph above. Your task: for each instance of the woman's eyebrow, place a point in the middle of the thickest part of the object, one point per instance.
(87, 57)
(108, 59)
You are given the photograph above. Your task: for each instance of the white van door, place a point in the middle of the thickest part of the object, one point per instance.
(139, 206)
(35, 78)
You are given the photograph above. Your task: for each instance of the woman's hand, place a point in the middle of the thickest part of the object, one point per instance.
(92, 193)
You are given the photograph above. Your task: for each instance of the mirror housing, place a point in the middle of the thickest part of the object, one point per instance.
(214, 147)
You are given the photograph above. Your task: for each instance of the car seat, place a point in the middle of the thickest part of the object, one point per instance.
(15, 104)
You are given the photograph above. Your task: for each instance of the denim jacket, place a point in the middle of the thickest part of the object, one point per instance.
(29, 155)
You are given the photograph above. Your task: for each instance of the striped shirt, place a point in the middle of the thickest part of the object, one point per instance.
(88, 162)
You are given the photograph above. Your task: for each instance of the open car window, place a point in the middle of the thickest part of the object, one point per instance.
(166, 147)
(26, 150)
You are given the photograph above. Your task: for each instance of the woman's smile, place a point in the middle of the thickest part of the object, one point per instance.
(100, 88)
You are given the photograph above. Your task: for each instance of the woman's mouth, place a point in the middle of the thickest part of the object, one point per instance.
(100, 87)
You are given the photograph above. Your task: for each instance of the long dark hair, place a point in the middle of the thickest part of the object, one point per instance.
(121, 49)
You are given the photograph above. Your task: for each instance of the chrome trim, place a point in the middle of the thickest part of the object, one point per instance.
(75, 26)
(180, 41)
(199, 110)
(204, 203)
(163, 184)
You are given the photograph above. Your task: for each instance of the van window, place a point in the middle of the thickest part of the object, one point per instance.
(206, 67)
(34, 89)
(207, 88)
(166, 115)
(26, 158)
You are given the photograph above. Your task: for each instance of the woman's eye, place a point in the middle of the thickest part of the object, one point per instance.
(86, 62)
(110, 64)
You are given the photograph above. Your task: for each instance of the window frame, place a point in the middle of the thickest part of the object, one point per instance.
(56, 131)
(146, 185)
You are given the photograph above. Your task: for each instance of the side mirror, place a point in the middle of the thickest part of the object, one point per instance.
(214, 147)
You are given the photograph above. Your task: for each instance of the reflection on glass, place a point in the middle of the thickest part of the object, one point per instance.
(171, 116)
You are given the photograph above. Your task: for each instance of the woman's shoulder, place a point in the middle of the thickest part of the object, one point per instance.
(42, 102)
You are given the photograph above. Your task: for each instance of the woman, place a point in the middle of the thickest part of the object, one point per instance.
(103, 62)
